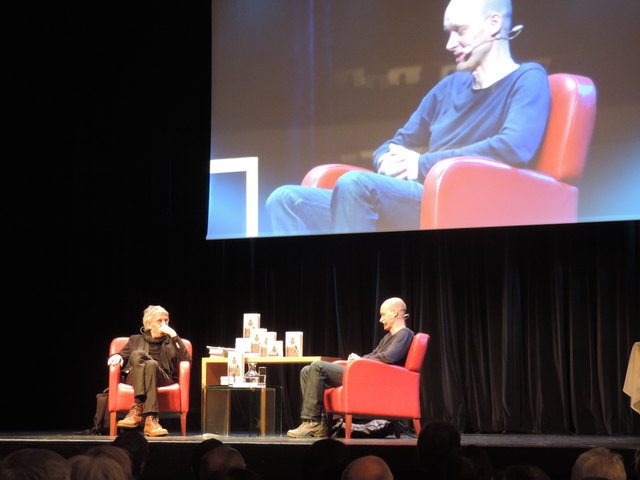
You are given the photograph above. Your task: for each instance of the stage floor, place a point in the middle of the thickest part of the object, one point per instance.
(277, 457)
(486, 440)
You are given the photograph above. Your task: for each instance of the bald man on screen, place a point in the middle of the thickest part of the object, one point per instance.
(490, 107)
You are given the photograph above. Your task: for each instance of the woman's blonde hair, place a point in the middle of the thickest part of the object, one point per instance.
(150, 313)
(599, 462)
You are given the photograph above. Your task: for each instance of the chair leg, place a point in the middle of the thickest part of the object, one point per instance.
(112, 423)
(183, 423)
(416, 425)
(347, 425)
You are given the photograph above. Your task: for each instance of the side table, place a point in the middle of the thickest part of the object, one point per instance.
(228, 410)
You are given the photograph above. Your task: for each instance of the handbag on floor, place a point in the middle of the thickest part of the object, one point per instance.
(101, 417)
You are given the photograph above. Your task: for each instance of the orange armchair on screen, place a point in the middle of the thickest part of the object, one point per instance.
(477, 192)
(171, 398)
(375, 389)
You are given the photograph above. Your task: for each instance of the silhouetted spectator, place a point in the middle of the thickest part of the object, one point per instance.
(325, 459)
(219, 460)
(459, 467)
(100, 467)
(34, 464)
(134, 443)
(599, 462)
(120, 456)
(369, 467)
(468, 463)
(436, 441)
(198, 452)
(521, 472)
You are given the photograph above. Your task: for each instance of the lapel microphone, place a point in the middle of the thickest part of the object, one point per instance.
(513, 33)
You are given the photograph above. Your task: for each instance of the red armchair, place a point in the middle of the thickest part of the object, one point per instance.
(171, 398)
(476, 192)
(375, 389)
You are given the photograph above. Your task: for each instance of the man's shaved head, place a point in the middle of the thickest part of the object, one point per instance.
(485, 8)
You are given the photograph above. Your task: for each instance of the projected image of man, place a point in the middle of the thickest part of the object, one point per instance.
(490, 107)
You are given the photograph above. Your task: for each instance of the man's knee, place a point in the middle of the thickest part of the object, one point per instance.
(281, 197)
(316, 370)
(354, 182)
(152, 364)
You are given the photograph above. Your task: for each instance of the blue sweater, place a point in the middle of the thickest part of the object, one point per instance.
(505, 121)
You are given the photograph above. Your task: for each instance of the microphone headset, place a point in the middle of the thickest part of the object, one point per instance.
(513, 33)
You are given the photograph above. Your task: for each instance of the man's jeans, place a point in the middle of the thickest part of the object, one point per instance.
(360, 202)
(313, 379)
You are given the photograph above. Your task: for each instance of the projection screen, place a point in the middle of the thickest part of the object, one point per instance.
(298, 84)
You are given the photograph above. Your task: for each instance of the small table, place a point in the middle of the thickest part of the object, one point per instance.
(241, 410)
(215, 367)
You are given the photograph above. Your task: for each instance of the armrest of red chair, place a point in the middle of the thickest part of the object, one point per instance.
(475, 192)
(326, 176)
(364, 383)
(183, 379)
(341, 362)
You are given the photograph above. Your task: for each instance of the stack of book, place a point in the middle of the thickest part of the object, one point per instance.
(259, 342)
(218, 351)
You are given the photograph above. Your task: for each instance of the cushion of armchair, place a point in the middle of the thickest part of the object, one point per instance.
(474, 192)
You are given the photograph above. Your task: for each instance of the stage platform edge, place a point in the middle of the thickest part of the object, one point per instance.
(281, 457)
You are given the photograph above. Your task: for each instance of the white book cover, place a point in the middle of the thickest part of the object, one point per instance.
(256, 337)
(267, 342)
(243, 345)
(275, 349)
(249, 321)
(235, 364)
(293, 342)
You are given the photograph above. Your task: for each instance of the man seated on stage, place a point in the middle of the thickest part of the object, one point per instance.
(152, 361)
(392, 349)
(491, 107)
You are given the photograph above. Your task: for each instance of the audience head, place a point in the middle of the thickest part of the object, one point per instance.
(34, 464)
(220, 459)
(369, 467)
(120, 456)
(99, 467)
(325, 459)
(521, 472)
(468, 463)
(436, 441)
(134, 443)
(201, 449)
(599, 462)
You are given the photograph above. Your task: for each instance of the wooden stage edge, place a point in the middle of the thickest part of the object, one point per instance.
(278, 457)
